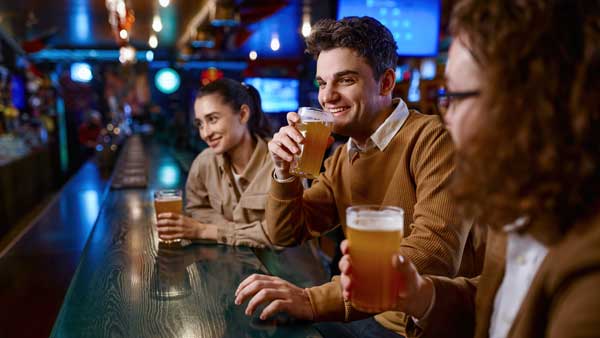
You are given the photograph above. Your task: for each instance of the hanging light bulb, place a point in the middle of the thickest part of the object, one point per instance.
(275, 44)
(121, 9)
(157, 24)
(253, 55)
(164, 3)
(306, 28)
(153, 41)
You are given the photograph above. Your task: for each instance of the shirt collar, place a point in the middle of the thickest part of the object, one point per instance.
(255, 163)
(386, 131)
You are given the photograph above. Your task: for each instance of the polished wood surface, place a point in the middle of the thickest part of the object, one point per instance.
(36, 271)
(125, 286)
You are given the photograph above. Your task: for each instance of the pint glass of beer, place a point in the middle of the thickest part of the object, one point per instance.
(315, 125)
(168, 201)
(374, 235)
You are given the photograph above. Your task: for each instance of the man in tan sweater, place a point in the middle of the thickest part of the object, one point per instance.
(394, 157)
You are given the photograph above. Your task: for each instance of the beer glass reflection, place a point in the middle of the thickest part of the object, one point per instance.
(315, 125)
(374, 235)
(171, 279)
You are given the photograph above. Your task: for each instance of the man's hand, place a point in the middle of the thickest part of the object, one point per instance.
(280, 295)
(413, 299)
(284, 145)
(175, 226)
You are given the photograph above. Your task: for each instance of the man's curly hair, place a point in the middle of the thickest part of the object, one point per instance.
(536, 149)
(364, 35)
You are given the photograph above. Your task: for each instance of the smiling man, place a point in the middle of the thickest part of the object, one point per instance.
(393, 157)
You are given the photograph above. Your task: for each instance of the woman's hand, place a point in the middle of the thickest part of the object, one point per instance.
(414, 298)
(176, 226)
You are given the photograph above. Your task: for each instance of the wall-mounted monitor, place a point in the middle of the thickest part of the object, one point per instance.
(415, 24)
(277, 94)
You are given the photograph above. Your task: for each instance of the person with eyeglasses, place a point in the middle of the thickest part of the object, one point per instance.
(524, 111)
(227, 184)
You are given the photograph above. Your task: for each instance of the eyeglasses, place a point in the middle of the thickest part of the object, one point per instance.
(445, 98)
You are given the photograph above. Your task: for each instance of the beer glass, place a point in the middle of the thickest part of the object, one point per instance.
(374, 235)
(168, 201)
(315, 125)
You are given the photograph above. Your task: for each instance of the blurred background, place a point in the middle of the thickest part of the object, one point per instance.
(78, 76)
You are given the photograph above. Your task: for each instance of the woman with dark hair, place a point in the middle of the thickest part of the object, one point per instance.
(228, 183)
(522, 105)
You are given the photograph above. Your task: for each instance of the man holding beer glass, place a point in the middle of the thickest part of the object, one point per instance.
(395, 157)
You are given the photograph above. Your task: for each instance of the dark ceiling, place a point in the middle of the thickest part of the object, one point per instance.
(84, 23)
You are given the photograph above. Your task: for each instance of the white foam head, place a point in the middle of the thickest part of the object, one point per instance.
(167, 198)
(375, 219)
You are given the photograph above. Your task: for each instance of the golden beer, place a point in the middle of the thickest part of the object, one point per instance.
(374, 235)
(168, 201)
(315, 126)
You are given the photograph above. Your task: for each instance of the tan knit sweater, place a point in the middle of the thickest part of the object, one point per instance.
(412, 172)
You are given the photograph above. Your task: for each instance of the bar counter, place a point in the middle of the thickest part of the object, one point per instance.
(126, 286)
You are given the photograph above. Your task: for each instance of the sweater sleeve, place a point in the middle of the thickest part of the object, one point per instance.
(294, 215)
(438, 236)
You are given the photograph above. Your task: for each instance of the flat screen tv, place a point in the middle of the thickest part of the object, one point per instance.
(415, 24)
(277, 94)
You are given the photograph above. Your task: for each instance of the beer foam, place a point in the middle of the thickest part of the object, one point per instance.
(167, 198)
(308, 114)
(385, 220)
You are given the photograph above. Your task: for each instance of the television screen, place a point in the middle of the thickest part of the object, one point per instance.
(277, 94)
(414, 24)
(18, 92)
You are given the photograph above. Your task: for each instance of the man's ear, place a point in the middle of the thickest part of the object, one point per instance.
(388, 82)
(245, 113)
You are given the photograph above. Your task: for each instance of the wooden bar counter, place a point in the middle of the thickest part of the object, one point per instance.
(126, 286)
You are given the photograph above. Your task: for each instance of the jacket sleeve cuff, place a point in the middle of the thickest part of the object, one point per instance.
(225, 234)
(286, 190)
(327, 301)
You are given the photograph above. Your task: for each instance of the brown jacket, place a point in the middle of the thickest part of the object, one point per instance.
(563, 299)
(212, 196)
(411, 172)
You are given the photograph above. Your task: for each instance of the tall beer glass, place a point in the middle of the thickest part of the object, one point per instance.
(315, 125)
(168, 201)
(374, 235)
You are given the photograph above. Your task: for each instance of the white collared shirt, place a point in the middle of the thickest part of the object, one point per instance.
(524, 255)
(385, 132)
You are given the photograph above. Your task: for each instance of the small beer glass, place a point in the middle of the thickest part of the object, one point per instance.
(168, 201)
(315, 125)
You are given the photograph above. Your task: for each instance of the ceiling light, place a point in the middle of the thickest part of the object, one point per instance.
(164, 3)
(306, 29)
(253, 55)
(153, 41)
(149, 56)
(275, 44)
(123, 34)
(127, 54)
(157, 24)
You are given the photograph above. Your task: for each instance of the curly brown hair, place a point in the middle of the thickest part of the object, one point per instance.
(365, 35)
(536, 149)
